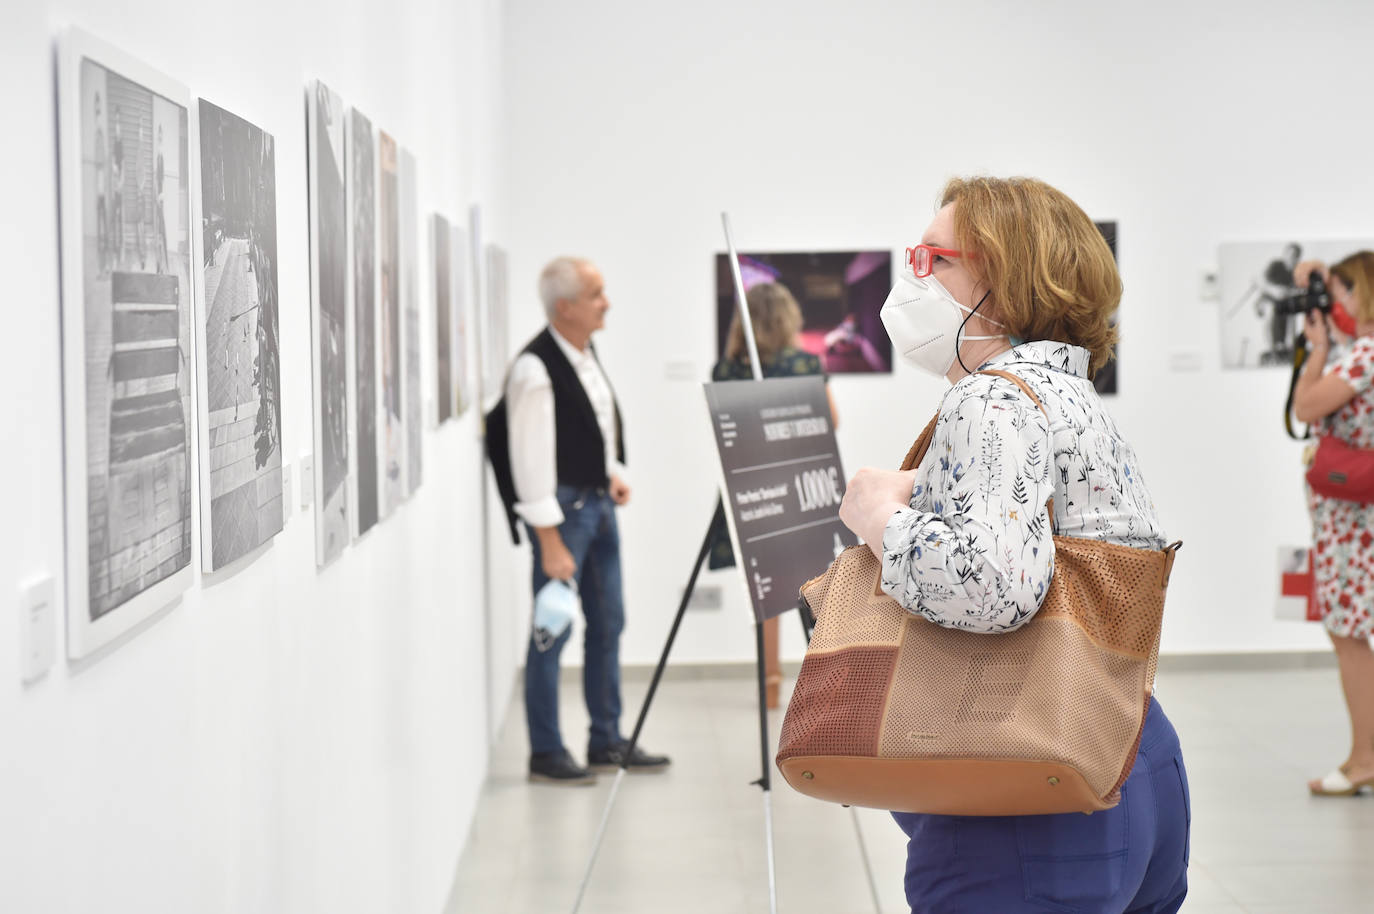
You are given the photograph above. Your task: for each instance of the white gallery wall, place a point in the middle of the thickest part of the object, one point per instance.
(824, 125)
(281, 740)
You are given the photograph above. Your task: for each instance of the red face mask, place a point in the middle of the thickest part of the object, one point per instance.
(1343, 320)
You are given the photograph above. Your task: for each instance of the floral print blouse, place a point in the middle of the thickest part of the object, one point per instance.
(1352, 422)
(975, 549)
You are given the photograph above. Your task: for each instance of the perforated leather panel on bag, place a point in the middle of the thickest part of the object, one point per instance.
(1070, 687)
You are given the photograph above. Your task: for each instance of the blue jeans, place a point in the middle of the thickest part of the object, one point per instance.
(1132, 858)
(589, 531)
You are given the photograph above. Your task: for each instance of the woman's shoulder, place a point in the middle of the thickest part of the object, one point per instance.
(792, 360)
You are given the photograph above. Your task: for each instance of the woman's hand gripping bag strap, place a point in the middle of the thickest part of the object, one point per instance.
(893, 712)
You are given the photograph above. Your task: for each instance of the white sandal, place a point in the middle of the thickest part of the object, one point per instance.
(1336, 784)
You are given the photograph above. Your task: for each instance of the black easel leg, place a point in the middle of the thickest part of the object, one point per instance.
(644, 713)
(667, 646)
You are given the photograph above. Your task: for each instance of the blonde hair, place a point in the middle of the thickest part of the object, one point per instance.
(1050, 272)
(777, 320)
(1357, 272)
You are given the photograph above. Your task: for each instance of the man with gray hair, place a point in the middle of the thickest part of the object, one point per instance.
(567, 463)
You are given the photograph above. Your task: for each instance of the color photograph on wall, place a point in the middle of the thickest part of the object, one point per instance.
(128, 359)
(1261, 306)
(410, 321)
(391, 420)
(1296, 601)
(239, 345)
(329, 320)
(1106, 378)
(461, 357)
(441, 243)
(362, 210)
(840, 294)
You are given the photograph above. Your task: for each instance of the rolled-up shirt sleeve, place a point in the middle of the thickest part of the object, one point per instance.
(975, 550)
(533, 447)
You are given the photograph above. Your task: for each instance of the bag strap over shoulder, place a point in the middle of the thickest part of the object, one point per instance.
(922, 444)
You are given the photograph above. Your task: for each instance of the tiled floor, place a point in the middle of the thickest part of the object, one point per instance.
(692, 839)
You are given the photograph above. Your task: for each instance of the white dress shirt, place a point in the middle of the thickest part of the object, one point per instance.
(533, 433)
(975, 549)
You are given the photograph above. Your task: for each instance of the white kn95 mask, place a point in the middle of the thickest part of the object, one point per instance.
(923, 321)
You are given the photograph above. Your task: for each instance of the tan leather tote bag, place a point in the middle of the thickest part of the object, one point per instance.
(894, 712)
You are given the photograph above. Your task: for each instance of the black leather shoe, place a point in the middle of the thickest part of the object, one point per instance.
(610, 758)
(558, 768)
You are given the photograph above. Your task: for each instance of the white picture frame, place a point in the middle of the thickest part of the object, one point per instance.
(126, 381)
(329, 352)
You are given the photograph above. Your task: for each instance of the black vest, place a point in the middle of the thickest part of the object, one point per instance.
(579, 448)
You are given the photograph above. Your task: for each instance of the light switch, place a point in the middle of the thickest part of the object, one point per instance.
(307, 481)
(37, 627)
(1209, 289)
(1185, 360)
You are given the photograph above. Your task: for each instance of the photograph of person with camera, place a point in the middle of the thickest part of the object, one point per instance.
(1262, 301)
(1336, 397)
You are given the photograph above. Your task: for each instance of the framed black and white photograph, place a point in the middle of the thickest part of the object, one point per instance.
(496, 327)
(128, 356)
(329, 270)
(238, 343)
(412, 397)
(441, 243)
(390, 418)
(461, 356)
(362, 237)
(1261, 307)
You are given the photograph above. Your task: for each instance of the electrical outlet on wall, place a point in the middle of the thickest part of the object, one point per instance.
(37, 627)
(706, 597)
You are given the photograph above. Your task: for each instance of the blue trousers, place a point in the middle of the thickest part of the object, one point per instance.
(590, 533)
(1132, 859)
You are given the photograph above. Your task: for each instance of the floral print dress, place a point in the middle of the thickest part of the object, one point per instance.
(1343, 531)
(975, 549)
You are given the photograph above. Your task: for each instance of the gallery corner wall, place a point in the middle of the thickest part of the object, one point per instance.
(282, 738)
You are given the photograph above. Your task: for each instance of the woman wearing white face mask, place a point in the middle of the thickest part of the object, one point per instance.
(966, 539)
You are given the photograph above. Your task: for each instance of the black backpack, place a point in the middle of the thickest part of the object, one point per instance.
(497, 440)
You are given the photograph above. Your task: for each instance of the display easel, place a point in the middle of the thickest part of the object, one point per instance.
(808, 623)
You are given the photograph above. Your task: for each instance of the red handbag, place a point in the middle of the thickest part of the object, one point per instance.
(1341, 471)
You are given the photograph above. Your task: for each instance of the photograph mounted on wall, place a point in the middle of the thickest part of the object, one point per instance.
(128, 357)
(441, 242)
(461, 358)
(238, 343)
(840, 294)
(496, 326)
(390, 417)
(410, 322)
(1261, 306)
(362, 208)
(1106, 378)
(329, 320)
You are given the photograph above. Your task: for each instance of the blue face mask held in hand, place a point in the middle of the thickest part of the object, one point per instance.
(554, 607)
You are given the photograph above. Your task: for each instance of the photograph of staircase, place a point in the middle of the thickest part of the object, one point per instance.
(240, 447)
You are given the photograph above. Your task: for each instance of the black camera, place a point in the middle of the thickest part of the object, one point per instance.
(1313, 298)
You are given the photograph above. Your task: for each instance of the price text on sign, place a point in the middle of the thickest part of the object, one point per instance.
(782, 482)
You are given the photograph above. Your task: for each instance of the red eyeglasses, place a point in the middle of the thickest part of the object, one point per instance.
(921, 258)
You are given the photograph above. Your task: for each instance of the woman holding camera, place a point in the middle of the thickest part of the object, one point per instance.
(1012, 275)
(1339, 399)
